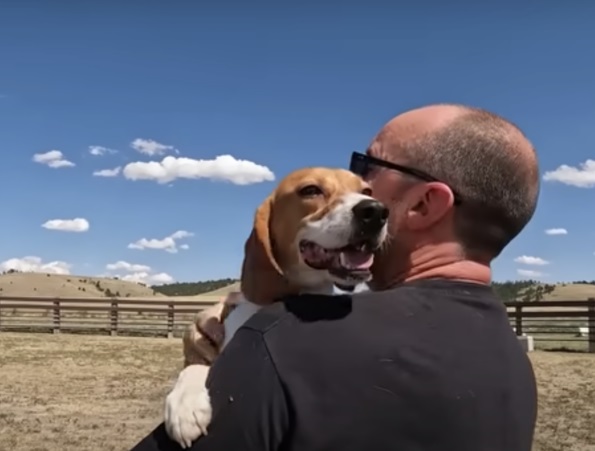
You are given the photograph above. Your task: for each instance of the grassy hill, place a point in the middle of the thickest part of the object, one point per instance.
(223, 291)
(571, 292)
(69, 286)
(533, 291)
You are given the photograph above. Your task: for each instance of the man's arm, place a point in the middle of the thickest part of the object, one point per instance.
(249, 406)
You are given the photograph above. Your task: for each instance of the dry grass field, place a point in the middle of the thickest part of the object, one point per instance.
(70, 392)
(85, 393)
(70, 286)
(65, 286)
(571, 291)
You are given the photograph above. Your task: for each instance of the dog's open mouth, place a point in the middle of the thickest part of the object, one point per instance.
(351, 262)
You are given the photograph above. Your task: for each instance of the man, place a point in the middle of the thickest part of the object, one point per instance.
(427, 361)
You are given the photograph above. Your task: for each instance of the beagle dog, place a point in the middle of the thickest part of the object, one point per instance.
(318, 229)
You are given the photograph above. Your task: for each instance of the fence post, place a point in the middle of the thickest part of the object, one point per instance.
(170, 320)
(113, 330)
(591, 325)
(0, 314)
(518, 319)
(57, 318)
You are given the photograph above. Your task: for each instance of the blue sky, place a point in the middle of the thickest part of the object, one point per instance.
(279, 86)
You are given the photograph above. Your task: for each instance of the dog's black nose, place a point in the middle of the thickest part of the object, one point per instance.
(370, 215)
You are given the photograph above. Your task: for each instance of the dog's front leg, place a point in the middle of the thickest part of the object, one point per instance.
(187, 407)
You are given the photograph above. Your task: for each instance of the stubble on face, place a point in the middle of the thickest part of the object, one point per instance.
(391, 187)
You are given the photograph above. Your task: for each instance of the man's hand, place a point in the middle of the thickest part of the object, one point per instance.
(205, 335)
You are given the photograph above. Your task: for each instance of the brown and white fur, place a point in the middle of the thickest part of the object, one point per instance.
(319, 228)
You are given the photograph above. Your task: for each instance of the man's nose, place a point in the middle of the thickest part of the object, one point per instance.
(370, 215)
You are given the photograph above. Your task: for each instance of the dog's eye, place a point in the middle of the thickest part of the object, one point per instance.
(367, 192)
(310, 191)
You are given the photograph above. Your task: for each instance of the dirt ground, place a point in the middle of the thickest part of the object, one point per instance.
(85, 393)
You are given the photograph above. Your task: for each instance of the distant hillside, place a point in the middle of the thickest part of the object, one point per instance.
(514, 290)
(519, 290)
(223, 290)
(69, 286)
(534, 291)
(193, 288)
(523, 290)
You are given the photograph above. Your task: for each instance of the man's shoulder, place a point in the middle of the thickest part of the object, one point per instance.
(397, 298)
(404, 304)
(308, 309)
(305, 308)
(266, 318)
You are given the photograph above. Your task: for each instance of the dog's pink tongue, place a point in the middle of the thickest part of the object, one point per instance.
(357, 259)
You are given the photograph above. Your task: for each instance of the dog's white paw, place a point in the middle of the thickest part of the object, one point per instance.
(188, 406)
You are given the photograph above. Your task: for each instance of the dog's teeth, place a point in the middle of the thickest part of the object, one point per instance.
(343, 260)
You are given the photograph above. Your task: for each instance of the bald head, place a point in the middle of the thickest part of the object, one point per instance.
(415, 124)
(486, 160)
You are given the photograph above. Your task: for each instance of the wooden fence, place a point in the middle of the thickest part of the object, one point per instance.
(553, 324)
(563, 325)
(142, 317)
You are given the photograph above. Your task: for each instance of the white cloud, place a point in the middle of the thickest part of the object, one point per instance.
(54, 159)
(558, 231)
(35, 264)
(180, 234)
(128, 267)
(530, 273)
(108, 172)
(184, 247)
(534, 261)
(133, 272)
(168, 244)
(147, 278)
(582, 176)
(151, 147)
(222, 168)
(100, 150)
(67, 225)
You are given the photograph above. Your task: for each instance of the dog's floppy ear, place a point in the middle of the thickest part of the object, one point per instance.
(262, 281)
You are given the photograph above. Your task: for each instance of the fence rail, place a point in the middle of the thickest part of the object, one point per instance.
(556, 324)
(113, 316)
(553, 324)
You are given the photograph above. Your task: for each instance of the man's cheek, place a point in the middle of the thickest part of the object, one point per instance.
(379, 191)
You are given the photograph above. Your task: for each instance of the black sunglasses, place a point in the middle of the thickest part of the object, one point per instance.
(361, 164)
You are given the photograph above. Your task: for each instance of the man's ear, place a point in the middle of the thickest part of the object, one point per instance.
(429, 203)
(262, 281)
